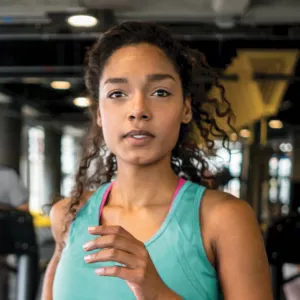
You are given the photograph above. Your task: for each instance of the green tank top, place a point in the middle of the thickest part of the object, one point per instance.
(176, 250)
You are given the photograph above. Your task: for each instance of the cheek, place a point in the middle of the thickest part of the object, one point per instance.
(170, 125)
(110, 130)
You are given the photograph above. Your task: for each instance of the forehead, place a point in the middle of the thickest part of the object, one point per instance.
(138, 60)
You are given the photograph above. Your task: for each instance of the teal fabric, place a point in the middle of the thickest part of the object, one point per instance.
(176, 250)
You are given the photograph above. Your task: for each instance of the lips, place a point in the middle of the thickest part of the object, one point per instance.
(138, 133)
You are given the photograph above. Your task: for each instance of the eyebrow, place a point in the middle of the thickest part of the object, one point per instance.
(159, 77)
(150, 77)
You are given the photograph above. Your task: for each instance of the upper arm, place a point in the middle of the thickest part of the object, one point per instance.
(58, 214)
(60, 231)
(242, 263)
(57, 217)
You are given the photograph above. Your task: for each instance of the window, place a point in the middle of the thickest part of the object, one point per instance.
(70, 155)
(280, 169)
(36, 138)
(232, 161)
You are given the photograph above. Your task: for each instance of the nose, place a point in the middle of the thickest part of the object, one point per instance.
(139, 109)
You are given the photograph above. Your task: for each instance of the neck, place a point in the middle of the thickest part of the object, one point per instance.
(136, 187)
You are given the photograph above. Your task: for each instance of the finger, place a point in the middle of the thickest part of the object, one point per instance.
(114, 241)
(110, 229)
(132, 275)
(116, 255)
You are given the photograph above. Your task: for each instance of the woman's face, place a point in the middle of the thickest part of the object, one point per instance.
(141, 105)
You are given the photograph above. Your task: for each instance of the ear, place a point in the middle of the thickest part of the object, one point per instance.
(99, 123)
(187, 115)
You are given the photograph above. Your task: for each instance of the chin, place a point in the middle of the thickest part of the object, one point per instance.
(142, 160)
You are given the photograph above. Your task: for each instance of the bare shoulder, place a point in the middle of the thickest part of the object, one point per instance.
(221, 200)
(58, 214)
(239, 253)
(219, 207)
(222, 214)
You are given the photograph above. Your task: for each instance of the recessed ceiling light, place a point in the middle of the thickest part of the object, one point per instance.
(82, 21)
(60, 85)
(275, 124)
(245, 133)
(82, 101)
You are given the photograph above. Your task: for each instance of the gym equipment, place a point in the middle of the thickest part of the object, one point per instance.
(17, 236)
(283, 246)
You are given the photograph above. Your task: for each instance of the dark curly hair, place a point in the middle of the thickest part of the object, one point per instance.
(189, 160)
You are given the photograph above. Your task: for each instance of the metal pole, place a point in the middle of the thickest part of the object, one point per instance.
(50, 36)
(277, 280)
(24, 279)
(25, 282)
(183, 34)
(40, 69)
(77, 71)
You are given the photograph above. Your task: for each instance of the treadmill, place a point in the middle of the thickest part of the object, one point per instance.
(18, 237)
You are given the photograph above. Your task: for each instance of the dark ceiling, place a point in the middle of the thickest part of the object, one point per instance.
(31, 56)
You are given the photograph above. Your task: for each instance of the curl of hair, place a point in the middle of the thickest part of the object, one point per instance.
(189, 160)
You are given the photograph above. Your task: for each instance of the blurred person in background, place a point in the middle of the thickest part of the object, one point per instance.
(13, 193)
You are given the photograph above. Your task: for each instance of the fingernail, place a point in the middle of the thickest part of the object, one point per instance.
(87, 245)
(100, 271)
(91, 228)
(87, 258)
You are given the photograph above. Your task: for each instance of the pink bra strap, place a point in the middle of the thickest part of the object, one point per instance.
(179, 186)
(105, 196)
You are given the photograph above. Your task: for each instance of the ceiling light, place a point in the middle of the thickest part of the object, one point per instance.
(60, 85)
(245, 133)
(82, 102)
(275, 124)
(82, 21)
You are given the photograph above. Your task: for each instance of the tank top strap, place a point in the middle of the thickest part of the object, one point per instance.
(87, 215)
(188, 209)
(91, 209)
(188, 219)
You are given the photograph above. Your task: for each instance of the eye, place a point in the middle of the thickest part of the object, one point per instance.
(161, 93)
(116, 94)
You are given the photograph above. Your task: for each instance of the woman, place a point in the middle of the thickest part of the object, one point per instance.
(143, 233)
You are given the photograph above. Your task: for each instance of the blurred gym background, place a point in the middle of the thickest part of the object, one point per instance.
(253, 45)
